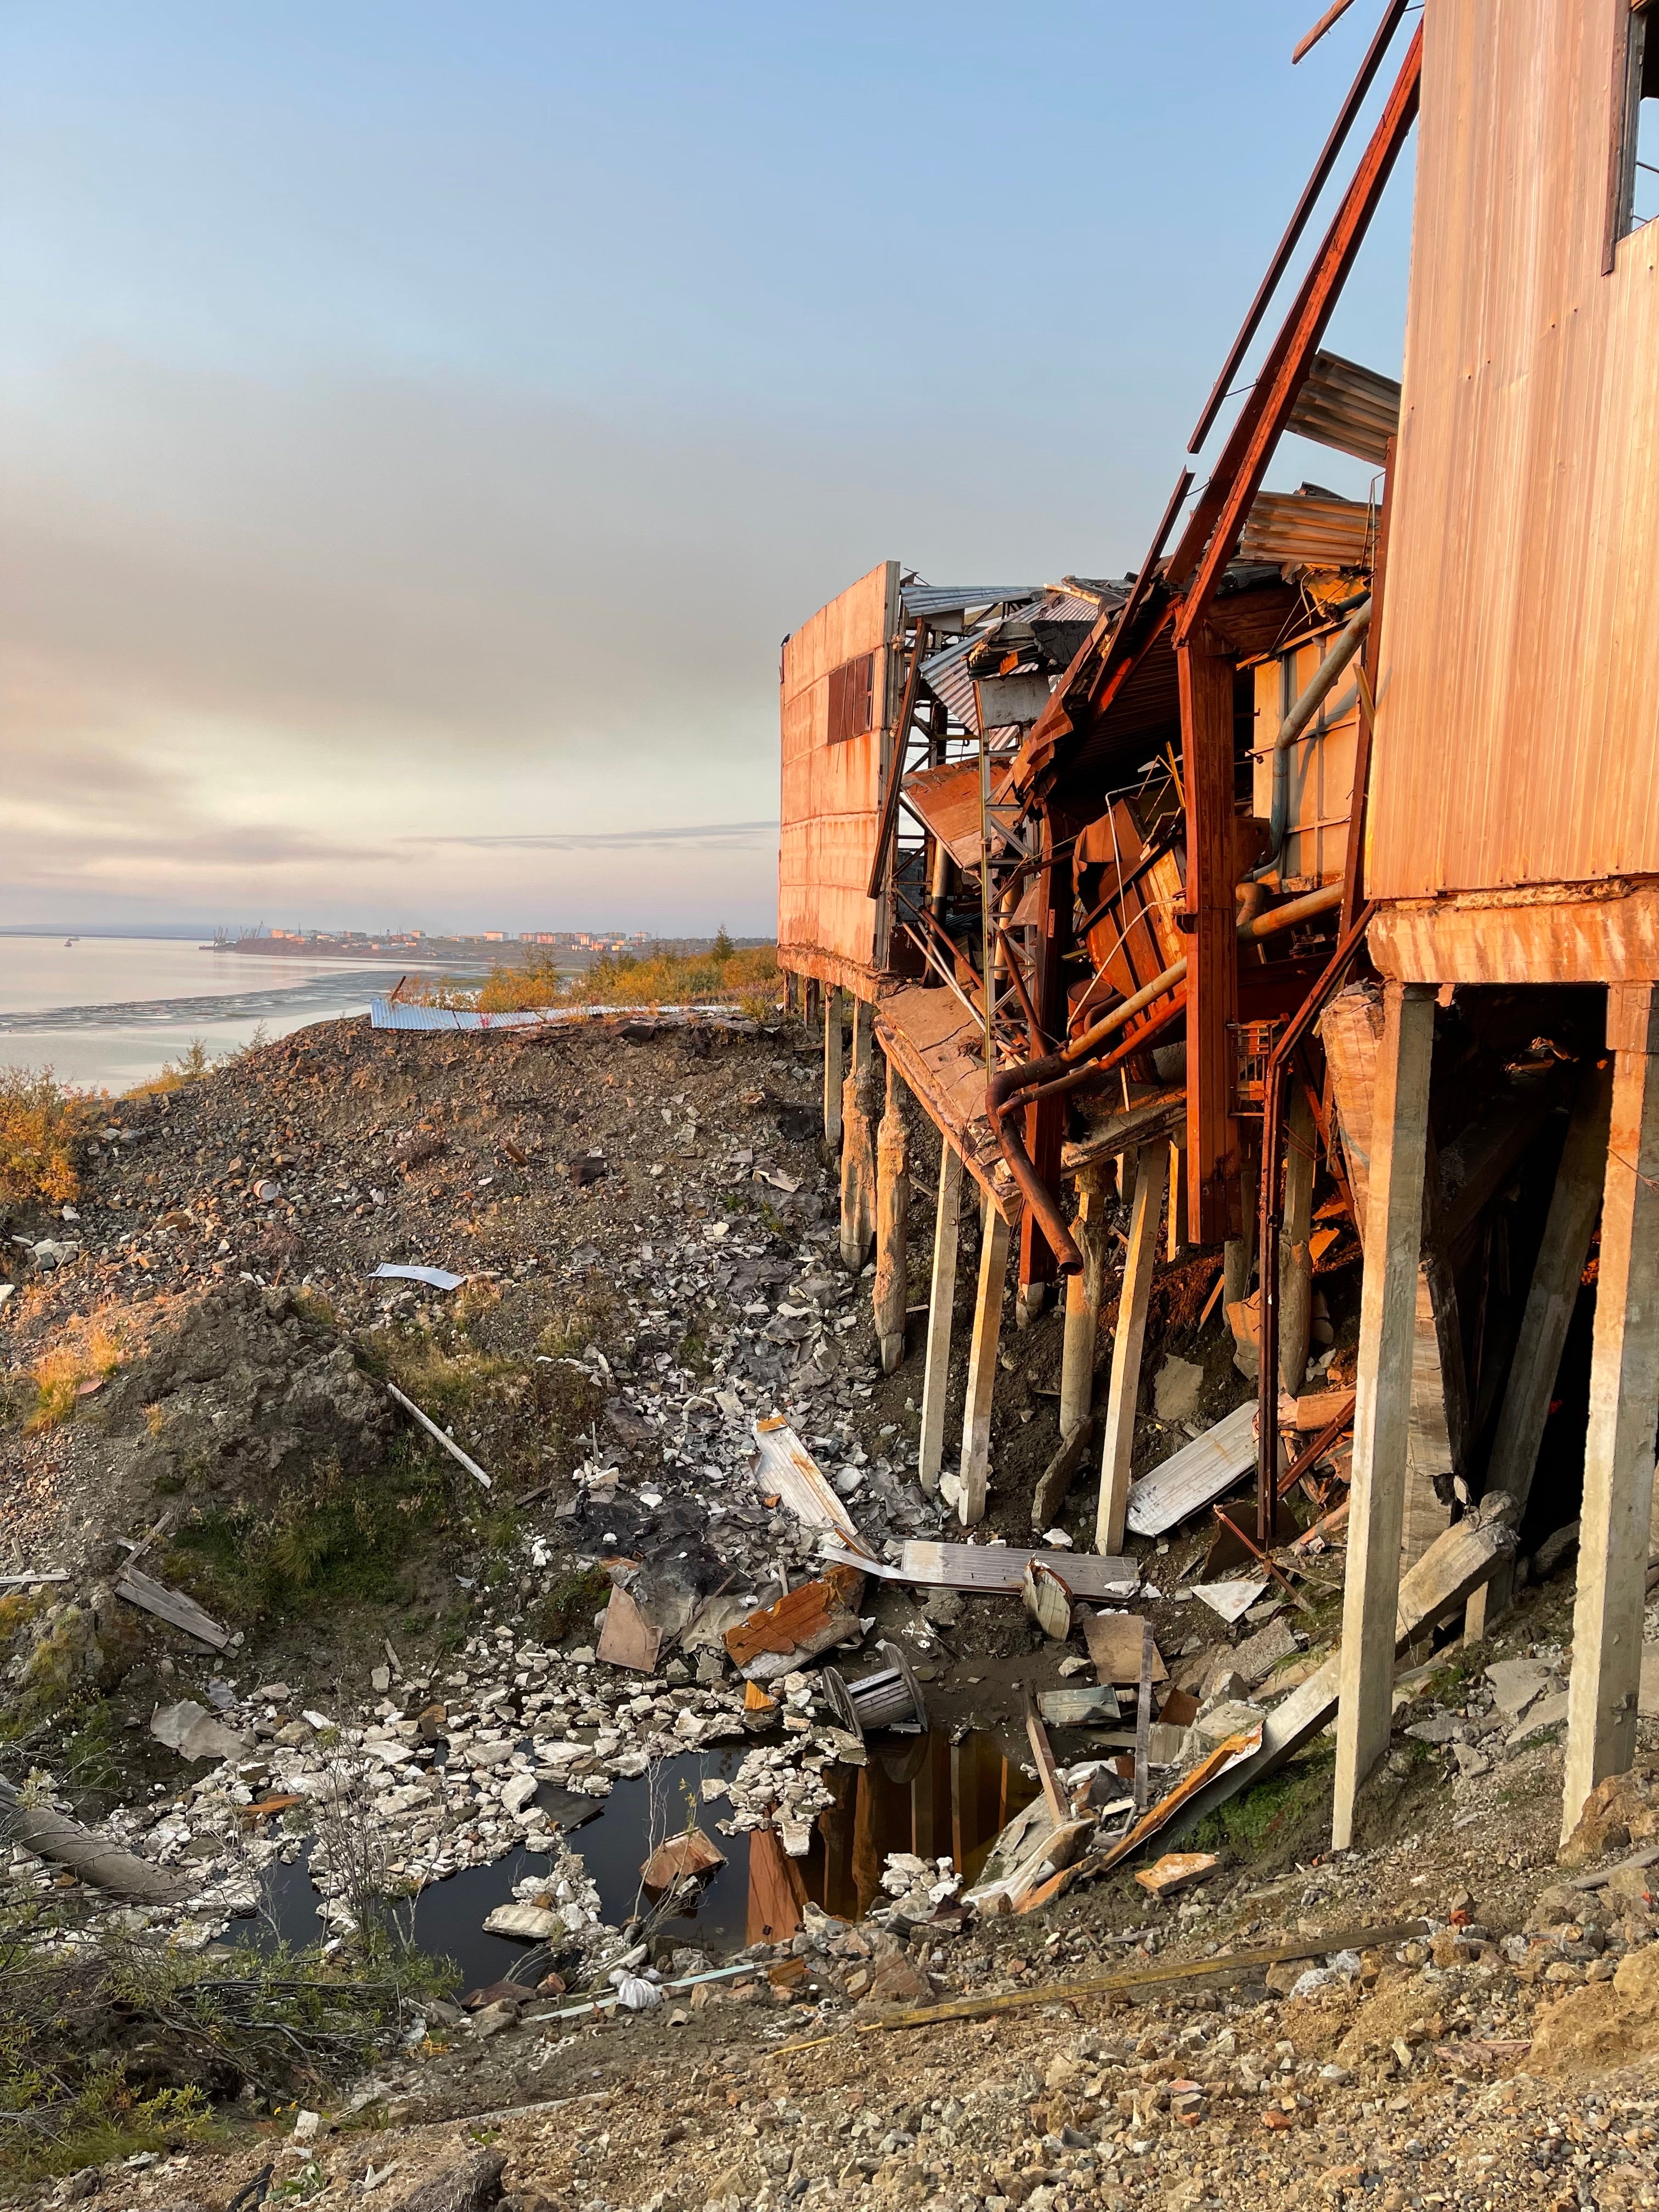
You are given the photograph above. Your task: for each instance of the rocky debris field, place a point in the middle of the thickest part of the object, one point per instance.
(410, 1685)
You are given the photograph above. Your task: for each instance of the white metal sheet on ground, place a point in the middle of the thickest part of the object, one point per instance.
(787, 1467)
(1196, 1476)
(998, 1569)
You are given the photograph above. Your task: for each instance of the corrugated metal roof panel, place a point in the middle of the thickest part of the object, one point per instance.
(936, 600)
(1349, 408)
(1296, 527)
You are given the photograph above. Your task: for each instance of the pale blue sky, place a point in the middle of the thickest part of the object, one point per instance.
(421, 423)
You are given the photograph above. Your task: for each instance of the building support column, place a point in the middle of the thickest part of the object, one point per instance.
(941, 1302)
(1082, 1328)
(858, 1104)
(1117, 1450)
(892, 1225)
(1623, 1410)
(994, 1240)
(1387, 1318)
(833, 1070)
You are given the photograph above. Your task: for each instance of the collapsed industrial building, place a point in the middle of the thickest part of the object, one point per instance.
(1299, 890)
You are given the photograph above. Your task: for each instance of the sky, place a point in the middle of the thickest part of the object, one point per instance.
(421, 423)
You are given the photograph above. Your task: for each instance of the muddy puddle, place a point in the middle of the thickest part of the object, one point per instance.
(921, 1794)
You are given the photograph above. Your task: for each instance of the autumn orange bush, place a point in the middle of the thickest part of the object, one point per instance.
(42, 1128)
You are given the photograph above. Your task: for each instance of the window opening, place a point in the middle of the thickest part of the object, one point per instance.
(1640, 199)
(852, 698)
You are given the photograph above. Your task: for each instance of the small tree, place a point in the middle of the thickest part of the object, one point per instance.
(724, 947)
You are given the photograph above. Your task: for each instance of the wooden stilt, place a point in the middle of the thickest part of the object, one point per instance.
(1176, 1242)
(833, 1072)
(1151, 1174)
(1295, 1261)
(892, 1223)
(982, 1367)
(1077, 1356)
(941, 1299)
(1550, 1301)
(1238, 1255)
(859, 1102)
(1624, 1409)
(1030, 1300)
(1388, 1314)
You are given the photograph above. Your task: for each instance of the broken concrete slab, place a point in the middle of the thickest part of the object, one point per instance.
(1255, 1658)
(528, 1923)
(195, 1732)
(1516, 1683)
(1176, 1390)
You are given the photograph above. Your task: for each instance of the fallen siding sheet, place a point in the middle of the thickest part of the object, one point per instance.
(997, 1569)
(785, 1468)
(1195, 1476)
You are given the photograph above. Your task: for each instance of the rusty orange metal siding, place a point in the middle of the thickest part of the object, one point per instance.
(1518, 737)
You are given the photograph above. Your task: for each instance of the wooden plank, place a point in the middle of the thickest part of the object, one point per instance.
(1143, 1718)
(1117, 1444)
(1055, 1479)
(1060, 1810)
(997, 1569)
(982, 1368)
(171, 1606)
(1144, 1122)
(1206, 732)
(628, 1638)
(1382, 1408)
(1195, 1476)
(941, 1303)
(785, 1468)
(1227, 1965)
(860, 1100)
(441, 1437)
(1550, 1298)
(1624, 1409)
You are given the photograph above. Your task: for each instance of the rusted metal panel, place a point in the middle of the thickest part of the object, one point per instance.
(1310, 528)
(831, 790)
(1603, 933)
(1351, 408)
(939, 1051)
(1517, 736)
(947, 800)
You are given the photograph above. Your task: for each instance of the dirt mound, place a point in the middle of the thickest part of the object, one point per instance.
(253, 1386)
(1605, 2023)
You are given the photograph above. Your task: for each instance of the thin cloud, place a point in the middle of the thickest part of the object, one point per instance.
(710, 835)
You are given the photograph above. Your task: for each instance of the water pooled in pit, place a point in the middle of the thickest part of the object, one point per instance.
(921, 1794)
